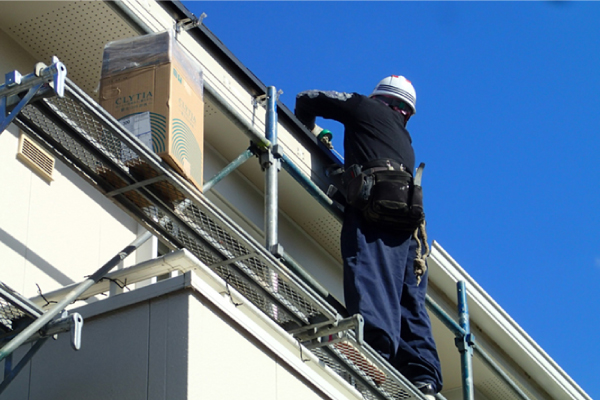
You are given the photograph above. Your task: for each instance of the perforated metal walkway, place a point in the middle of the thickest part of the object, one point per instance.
(84, 136)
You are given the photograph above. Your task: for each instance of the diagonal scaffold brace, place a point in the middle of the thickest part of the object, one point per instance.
(19, 90)
(45, 324)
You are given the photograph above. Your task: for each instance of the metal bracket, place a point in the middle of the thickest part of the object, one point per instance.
(277, 250)
(271, 157)
(52, 76)
(277, 151)
(188, 23)
(465, 343)
(66, 322)
(315, 336)
(266, 159)
(76, 327)
(261, 99)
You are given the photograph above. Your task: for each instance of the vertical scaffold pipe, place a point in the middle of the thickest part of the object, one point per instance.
(271, 167)
(465, 343)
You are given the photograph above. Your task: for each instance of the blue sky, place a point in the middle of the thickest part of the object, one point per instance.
(507, 123)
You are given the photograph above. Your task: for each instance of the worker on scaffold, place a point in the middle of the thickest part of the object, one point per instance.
(383, 232)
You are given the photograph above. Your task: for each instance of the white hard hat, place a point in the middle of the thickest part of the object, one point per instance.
(398, 87)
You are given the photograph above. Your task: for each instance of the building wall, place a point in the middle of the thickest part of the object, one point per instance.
(53, 234)
(155, 344)
(121, 358)
(225, 364)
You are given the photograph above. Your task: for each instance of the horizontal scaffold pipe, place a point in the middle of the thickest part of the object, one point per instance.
(311, 187)
(444, 317)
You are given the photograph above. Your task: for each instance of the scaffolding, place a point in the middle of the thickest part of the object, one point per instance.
(89, 140)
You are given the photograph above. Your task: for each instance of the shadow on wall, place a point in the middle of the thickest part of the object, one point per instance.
(11, 242)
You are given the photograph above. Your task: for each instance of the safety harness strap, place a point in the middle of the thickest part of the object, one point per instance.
(420, 235)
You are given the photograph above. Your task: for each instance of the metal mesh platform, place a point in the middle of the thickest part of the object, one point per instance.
(364, 370)
(89, 140)
(16, 312)
(166, 204)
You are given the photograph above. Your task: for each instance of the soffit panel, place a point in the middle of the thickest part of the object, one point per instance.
(75, 32)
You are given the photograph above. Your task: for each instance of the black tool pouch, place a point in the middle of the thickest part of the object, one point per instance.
(358, 191)
(395, 201)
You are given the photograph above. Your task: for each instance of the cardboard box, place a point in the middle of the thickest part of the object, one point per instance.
(140, 126)
(149, 82)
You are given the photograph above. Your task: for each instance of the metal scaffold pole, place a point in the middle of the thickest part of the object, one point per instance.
(271, 165)
(242, 158)
(447, 320)
(465, 342)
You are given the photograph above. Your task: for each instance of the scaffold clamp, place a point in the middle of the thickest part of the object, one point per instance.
(189, 23)
(314, 336)
(465, 343)
(271, 157)
(66, 322)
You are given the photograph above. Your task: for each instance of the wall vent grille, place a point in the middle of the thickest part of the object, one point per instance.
(36, 158)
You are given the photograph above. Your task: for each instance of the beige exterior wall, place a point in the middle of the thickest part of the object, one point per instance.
(225, 364)
(51, 233)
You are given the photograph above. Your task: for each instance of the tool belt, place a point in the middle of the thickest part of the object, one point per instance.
(386, 193)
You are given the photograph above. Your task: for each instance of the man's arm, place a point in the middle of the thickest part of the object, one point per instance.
(331, 105)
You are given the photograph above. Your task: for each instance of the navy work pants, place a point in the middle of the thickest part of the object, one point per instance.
(380, 284)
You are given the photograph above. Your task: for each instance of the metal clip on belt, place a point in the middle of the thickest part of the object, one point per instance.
(419, 174)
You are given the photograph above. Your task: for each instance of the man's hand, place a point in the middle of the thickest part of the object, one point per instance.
(324, 136)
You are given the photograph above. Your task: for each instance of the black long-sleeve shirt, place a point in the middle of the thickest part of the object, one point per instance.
(372, 130)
